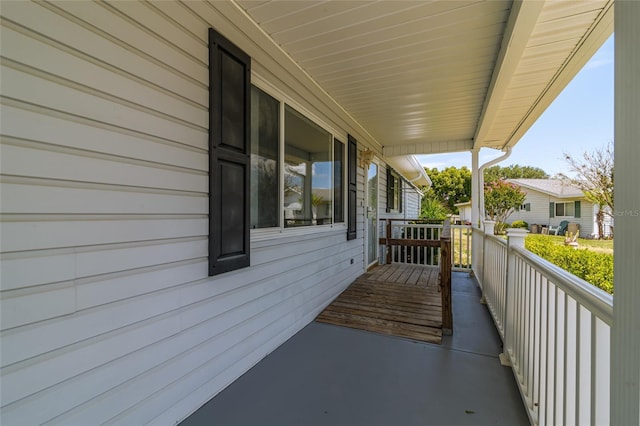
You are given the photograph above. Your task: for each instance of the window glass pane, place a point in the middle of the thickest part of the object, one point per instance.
(308, 174)
(559, 209)
(265, 171)
(569, 209)
(338, 186)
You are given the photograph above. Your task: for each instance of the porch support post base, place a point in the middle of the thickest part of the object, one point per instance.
(504, 360)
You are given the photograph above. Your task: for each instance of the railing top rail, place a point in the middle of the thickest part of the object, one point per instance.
(596, 300)
(433, 225)
(425, 221)
(497, 239)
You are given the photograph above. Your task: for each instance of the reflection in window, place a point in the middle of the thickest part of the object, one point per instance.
(308, 172)
(338, 173)
(265, 123)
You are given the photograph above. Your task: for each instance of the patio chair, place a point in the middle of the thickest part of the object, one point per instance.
(560, 229)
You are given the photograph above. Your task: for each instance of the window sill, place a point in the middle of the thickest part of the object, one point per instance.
(280, 233)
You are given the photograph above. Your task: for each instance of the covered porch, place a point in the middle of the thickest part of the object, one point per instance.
(331, 375)
(110, 312)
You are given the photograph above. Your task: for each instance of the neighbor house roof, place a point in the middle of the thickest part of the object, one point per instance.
(555, 187)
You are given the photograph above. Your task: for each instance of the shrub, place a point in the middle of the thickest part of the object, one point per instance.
(595, 268)
(520, 224)
(433, 208)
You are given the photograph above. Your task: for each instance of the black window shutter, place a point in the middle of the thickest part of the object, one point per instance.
(552, 209)
(400, 185)
(353, 187)
(229, 155)
(390, 183)
(576, 209)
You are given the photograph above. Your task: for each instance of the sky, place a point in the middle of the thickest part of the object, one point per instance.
(579, 119)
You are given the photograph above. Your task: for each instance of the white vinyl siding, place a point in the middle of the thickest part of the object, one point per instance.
(412, 201)
(411, 198)
(107, 310)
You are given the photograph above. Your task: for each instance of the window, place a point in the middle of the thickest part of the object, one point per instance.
(565, 209)
(525, 207)
(338, 185)
(265, 157)
(308, 173)
(394, 191)
(570, 209)
(246, 167)
(312, 173)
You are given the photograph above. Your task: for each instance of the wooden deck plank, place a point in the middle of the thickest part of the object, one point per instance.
(391, 286)
(415, 276)
(400, 300)
(432, 310)
(409, 298)
(406, 273)
(384, 272)
(429, 278)
(399, 315)
(425, 334)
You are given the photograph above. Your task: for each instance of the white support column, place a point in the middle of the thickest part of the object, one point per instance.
(516, 236)
(475, 189)
(489, 227)
(625, 335)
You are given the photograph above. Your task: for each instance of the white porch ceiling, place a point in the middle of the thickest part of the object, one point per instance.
(438, 76)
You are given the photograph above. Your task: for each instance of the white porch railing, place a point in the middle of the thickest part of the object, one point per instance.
(495, 279)
(555, 329)
(460, 244)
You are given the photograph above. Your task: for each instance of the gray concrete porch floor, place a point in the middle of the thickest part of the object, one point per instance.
(330, 375)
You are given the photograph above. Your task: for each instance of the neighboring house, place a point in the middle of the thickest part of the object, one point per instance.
(551, 201)
(464, 211)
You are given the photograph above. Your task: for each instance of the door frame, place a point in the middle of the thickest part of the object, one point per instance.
(370, 262)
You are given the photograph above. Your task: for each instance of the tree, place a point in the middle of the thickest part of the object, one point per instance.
(501, 198)
(514, 171)
(450, 186)
(594, 176)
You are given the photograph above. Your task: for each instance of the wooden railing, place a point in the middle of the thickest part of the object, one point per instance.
(415, 253)
(437, 251)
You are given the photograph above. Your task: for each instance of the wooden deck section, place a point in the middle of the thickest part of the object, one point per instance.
(400, 300)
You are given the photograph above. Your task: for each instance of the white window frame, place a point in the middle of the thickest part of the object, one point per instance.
(572, 203)
(268, 233)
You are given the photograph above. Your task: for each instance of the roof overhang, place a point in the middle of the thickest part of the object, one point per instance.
(411, 169)
(428, 77)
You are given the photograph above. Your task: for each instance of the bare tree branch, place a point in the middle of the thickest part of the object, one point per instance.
(594, 176)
